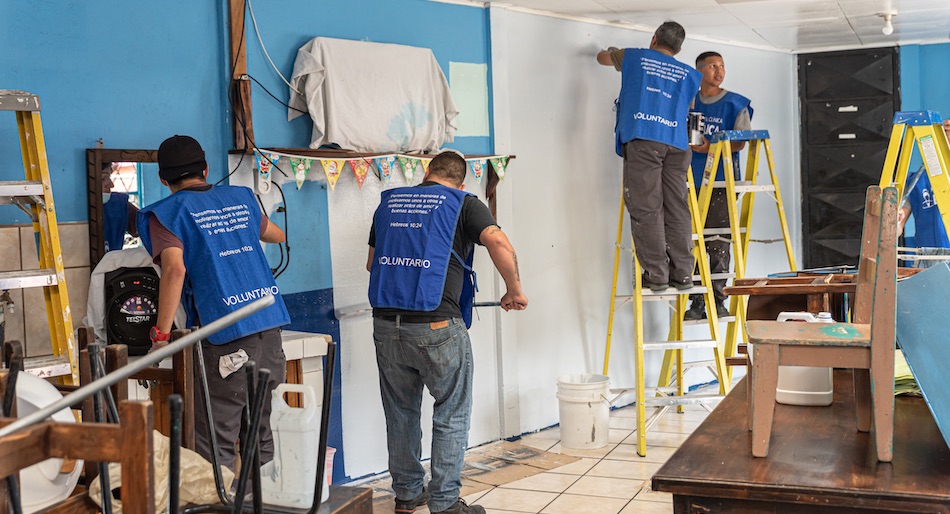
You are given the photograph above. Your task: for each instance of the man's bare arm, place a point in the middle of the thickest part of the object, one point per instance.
(506, 262)
(169, 287)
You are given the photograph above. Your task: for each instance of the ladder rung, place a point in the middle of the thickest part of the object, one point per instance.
(649, 295)
(10, 188)
(16, 100)
(724, 319)
(722, 231)
(679, 345)
(755, 189)
(47, 366)
(715, 276)
(27, 278)
(699, 364)
(655, 401)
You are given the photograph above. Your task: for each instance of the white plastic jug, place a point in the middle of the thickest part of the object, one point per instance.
(804, 385)
(288, 480)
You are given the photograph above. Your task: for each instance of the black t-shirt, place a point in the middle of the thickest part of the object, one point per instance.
(474, 218)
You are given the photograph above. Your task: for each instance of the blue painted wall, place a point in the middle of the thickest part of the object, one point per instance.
(925, 78)
(134, 73)
(131, 73)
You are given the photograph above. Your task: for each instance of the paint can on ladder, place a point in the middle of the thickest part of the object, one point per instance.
(584, 410)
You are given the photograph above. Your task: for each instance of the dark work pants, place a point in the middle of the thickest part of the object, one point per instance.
(717, 251)
(655, 193)
(228, 395)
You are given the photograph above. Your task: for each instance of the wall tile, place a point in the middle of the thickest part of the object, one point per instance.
(9, 248)
(74, 240)
(14, 321)
(28, 255)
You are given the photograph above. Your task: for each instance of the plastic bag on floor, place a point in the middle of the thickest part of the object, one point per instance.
(197, 478)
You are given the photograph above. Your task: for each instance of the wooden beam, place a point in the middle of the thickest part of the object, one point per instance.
(239, 89)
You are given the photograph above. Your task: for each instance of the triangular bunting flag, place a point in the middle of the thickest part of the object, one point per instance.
(499, 164)
(332, 168)
(301, 167)
(385, 167)
(425, 165)
(408, 167)
(263, 165)
(478, 168)
(360, 168)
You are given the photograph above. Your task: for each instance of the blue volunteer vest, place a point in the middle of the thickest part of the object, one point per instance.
(930, 230)
(115, 218)
(654, 98)
(720, 116)
(415, 229)
(220, 229)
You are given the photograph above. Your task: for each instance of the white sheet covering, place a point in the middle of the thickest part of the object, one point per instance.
(372, 97)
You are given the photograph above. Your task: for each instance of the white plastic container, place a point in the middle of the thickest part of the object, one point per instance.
(805, 385)
(288, 480)
(584, 410)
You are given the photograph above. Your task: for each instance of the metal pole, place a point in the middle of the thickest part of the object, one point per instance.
(146, 361)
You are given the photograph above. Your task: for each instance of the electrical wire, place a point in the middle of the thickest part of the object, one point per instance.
(261, 41)
(274, 97)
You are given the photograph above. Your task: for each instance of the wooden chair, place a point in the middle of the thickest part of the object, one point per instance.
(867, 345)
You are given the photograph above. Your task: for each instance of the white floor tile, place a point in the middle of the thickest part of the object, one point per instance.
(577, 504)
(547, 482)
(607, 487)
(516, 500)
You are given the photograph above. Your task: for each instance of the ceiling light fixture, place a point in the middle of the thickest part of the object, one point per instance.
(888, 27)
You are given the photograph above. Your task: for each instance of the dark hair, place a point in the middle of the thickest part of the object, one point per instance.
(106, 167)
(670, 35)
(706, 55)
(450, 166)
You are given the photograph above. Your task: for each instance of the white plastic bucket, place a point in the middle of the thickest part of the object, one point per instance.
(288, 480)
(584, 409)
(805, 385)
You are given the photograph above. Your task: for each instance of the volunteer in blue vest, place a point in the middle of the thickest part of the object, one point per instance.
(723, 110)
(651, 136)
(118, 213)
(420, 256)
(207, 241)
(919, 201)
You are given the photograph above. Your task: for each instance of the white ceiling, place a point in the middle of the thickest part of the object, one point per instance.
(784, 25)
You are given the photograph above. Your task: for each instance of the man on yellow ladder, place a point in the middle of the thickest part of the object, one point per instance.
(651, 136)
(723, 110)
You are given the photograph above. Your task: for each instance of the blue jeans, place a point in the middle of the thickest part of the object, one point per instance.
(410, 355)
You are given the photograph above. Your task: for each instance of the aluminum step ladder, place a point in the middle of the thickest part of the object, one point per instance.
(739, 232)
(34, 196)
(670, 390)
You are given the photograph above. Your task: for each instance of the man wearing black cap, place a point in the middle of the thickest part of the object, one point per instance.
(207, 241)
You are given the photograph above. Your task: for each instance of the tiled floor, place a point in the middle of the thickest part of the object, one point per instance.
(608, 480)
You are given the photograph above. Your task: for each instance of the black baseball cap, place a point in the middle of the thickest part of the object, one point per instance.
(179, 156)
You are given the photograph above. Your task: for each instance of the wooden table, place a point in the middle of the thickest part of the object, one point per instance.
(817, 463)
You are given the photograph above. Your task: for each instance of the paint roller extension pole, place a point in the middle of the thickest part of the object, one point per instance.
(130, 369)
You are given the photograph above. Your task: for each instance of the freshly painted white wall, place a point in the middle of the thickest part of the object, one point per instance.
(554, 110)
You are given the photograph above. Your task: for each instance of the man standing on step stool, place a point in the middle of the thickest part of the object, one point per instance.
(651, 136)
(723, 110)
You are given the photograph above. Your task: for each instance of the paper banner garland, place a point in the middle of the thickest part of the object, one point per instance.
(301, 167)
(478, 168)
(263, 165)
(499, 163)
(408, 165)
(332, 168)
(425, 165)
(385, 167)
(360, 168)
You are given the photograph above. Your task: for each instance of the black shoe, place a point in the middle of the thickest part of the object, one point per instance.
(682, 285)
(722, 311)
(655, 287)
(696, 312)
(461, 507)
(407, 506)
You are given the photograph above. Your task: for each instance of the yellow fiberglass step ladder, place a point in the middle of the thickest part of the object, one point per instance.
(738, 234)
(34, 197)
(923, 128)
(664, 396)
